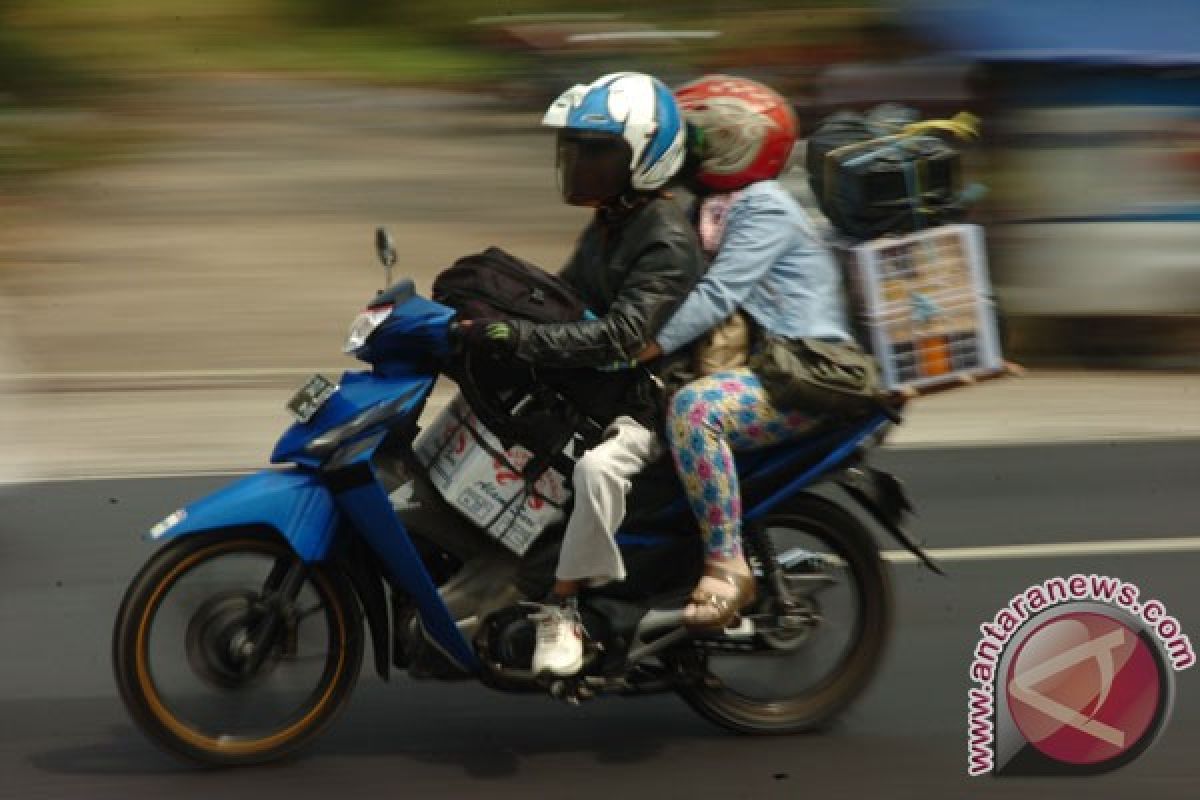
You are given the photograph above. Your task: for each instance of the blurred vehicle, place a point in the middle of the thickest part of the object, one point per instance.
(935, 88)
(1100, 211)
(1093, 119)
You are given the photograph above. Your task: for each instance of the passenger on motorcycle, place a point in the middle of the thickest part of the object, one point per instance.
(620, 140)
(768, 263)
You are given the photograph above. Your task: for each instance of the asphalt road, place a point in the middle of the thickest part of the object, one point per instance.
(67, 550)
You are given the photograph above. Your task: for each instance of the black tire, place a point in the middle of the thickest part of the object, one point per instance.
(815, 710)
(134, 676)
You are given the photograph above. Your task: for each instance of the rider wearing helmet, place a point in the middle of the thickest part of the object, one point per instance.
(742, 132)
(620, 140)
(768, 263)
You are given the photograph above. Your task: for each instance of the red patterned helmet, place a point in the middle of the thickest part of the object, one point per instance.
(742, 131)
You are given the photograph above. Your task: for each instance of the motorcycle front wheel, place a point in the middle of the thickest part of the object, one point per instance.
(798, 678)
(180, 648)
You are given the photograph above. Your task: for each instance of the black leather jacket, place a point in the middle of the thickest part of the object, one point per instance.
(633, 268)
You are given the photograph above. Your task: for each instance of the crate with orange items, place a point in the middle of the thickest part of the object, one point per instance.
(923, 305)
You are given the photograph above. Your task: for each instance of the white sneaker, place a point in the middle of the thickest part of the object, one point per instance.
(559, 648)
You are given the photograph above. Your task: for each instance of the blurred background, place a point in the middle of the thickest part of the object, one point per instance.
(188, 188)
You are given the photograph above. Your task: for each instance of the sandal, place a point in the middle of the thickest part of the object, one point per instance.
(711, 611)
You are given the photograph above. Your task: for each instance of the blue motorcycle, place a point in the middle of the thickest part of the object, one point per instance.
(243, 635)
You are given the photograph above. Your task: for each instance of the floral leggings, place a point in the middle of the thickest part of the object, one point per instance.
(709, 419)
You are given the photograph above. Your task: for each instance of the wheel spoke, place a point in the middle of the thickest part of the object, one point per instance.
(308, 612)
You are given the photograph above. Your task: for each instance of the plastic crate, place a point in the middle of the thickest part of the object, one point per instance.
(923, 305)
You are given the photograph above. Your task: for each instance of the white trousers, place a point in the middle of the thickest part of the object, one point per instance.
(602, 479)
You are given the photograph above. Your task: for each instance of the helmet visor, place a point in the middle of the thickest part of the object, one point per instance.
(593, 168)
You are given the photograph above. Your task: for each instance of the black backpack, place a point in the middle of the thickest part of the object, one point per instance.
(495, 285)
(540, 409)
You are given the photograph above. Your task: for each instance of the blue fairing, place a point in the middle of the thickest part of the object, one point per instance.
(404, 350)
(416, 330)
(367, 506)
(357, 392)
(292, 502)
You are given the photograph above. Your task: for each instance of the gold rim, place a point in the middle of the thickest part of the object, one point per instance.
(192, 736)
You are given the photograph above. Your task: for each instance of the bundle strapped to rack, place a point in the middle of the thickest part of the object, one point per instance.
(892, 183)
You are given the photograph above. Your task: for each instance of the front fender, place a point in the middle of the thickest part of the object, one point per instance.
(293, 502)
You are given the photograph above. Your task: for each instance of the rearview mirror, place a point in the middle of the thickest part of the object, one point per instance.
(385, 248)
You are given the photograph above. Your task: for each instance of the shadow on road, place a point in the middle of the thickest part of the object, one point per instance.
(412, 723)
(495, 743)
(122, 751)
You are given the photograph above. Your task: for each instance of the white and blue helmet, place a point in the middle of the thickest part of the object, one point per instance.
(624, 107)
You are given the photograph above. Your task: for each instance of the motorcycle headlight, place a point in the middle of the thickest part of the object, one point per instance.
(364, 325)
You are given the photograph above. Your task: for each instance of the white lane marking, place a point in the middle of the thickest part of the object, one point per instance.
(1178, 544)
(1031, 439)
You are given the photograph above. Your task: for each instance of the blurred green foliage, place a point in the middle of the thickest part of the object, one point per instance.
(51, 46)
(101, 53)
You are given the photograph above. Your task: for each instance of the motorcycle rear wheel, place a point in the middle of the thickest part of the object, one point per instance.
(816, 708)
(217, 616)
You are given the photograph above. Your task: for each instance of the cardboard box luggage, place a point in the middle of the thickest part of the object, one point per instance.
(483, 481)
